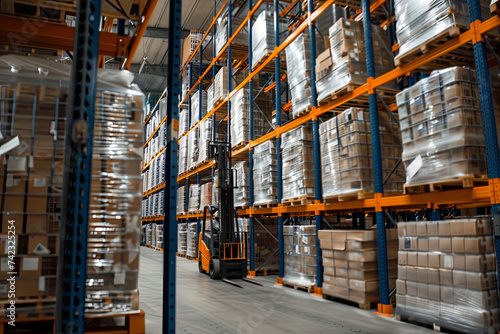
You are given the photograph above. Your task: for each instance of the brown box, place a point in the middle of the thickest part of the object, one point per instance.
(361, 245)
(422, 275)
(421, 229)
(423, 244)
(411, 274)
(329, 270)
(341, 263)
(412, 258)
(459, 279)
(364, 285)
(401, 286)
(400, 300)
(422, 290)
(433, 276)
(446, 294)
(480, 262)
(402, 272)
(35, 240)
(364, 256)
(411, 288)
(423, 259)
(341, 272)
(342, 282)
(327, 279)
(30, 266)
(433, 244)
(478, 226)
(444, 228)
(445, 277)
(477, 245)
(327, 253)
(433, 260)
(458, 261)
(402, 257)
(36, 224)
(457, 244)
(432, 228)
(408, 243)
(363, 274)
(18, 222)
(328, 262)
(445, 245)
(446, 261)
(480, 281)
(27, 286)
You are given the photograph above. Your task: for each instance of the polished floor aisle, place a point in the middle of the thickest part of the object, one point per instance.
(209, 306)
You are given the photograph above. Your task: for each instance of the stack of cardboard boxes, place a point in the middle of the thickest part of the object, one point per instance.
(344, 64)
(265, 173)
(298, 165)
(181, 200)
(159, 235)
(222, 33)
(242, 186)
(441, 127)
(195, 106)
(183, 155)
(192, 148)
(191, 240)
(346, 154)
(34, 101)
(190, 43)
(447, 274)
(265, 242)
(300, 255)
(182, 238)
(350, 263)
(194, 198)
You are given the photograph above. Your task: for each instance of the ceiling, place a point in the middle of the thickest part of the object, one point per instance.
(196, 15)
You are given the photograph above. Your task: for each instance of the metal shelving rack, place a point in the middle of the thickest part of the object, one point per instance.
(471, 197)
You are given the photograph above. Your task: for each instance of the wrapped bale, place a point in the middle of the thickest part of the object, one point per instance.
(447, 274)
(183, 121)
(182, 238)
(181, 200)
(220, 85)
(191, 240)
(298, 165)
(300, 255)
(263, 36)
(350, 263)
(193, 148)
(194, 198)
(159, 236)
(344, 66)
(183, 155)
(441, 128)
(241, 191)
(195, 106)
(265, 173)
(221, 33)
(346, 155)
(205, 195)
(240, 116)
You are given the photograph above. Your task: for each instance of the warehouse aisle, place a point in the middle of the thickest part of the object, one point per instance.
(207, 306)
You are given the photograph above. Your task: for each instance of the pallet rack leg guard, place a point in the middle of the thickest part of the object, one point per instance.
(277, 79)
(70, 311)
(489, 125)
(250, 151)
(170, 191)
(316, 152)
(385, 307)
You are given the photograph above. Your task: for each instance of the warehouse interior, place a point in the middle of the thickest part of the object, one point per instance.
(243, 166)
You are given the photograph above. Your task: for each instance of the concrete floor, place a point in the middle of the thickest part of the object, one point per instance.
(209, 306)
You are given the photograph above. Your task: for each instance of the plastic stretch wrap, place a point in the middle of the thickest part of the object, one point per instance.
(149, 234)
(191, 240)
(195, 106)
(263, 35)
(205, 195)
(300, 255)
(183, 121)
(182, 238)
(221, 33)
(220, 85)
(421, 22)
(206, 133)
(152, 205)
(240, 116)
(298, 166)
(34, 99)
(194, 198)
(155, 174)
(350, 263)
(181, 200)
(441, 127)
(215, 188)
(447, 274)
(346, 153)
(265, 173)
(241, 190)
(210, 98)
(155, 143)
(265, 242)
(346, 64)
(193, 148)
(158, 236)
(183, 155)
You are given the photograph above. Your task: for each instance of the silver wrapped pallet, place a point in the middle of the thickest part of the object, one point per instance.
(346, 155)
(206, 132)
(183, 155)
(183, 121)
(300, 255)
(205, 195)
(441, 127)
(263, 36)
(221, 33)
(194, 198)
(447, 274)
(191, 240)
(34, 99)
(265, 173)
(181, 200)
(195, 106)
(193, 148)
(298, 165)
(242, 191)
(182, 229)
(220, 85)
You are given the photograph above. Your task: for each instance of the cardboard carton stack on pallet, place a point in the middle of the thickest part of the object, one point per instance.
(190, 43)
(222, 34)
(447, 274)
(191, 240)
(181, 200)
(300, 255)
(182, 238)
(159, 235)
(220, 88)
(194, 198)
(183, 165)
(343, 66)
(31, 183)
(346, 154)
(298, 165)
(265, 243)
(192, 148)
(350, 264)
(263, 36)
(206, 132)
(242, 189)
(195, 106)
(183, 121)
(265, 173)
(205, 195)
(441, 127)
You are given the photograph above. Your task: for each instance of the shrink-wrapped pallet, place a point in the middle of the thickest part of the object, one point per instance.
(241, 190)
(346, 155)
(300, 255)
(181, 200)
(183, 155)
(221, 33)
(447, 274)
(265, 173)
(205, 195)
(183, 121)
(191, 240)
(194, 198)
(193, 148)
(182, 238)
(205, 130)
(263, 36)
(195, 106)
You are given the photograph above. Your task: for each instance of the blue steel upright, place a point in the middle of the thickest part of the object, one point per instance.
(170, 191)
(277, 79)
(72, 268)
(250, 152)
(316, 148)
(377, 157)
(489, 125)
(229, 73)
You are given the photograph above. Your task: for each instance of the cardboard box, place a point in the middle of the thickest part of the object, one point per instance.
(421, 229)
(433, 260)
(342, 282)
(411, 274)
(432, 228)
(36, 224)
(27, 286)
(480, 281)
(445, 244)
(422, 275)
(458, 261)
(412, 258)
(444, 228)
(457, 244)
(341, 272)
(423, 244)
(329, 270)
(422, 290)
(446, 294)
(402, 257)
(402, 272)
(433, 276)
(30, 266)
(364, 256)
(446, 261)
(459, 279)
(364, 285)
(400, 300)
(478, 245)
(408, 243)
(433, 244)
(16, 218)
(328, 262)
(411, 288)
(445, 277)
(35, 240)
(401, 286)
(363, 274)
(480, 262)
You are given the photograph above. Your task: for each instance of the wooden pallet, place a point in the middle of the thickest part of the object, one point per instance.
(356, 195)
(219, 101)
(364, 305)
(423, 320)
(181, 255)
(303, 200)
(495, 8)
(306, 288)
(270, 67)
(388, 95)
(465, 181)
(243, 207)
(191, 257)
(239, 146)
(42, 321)
(267, 272)
(31, 302)
(265, 205)
(196, 212)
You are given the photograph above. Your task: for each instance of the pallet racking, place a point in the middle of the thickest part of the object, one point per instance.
(432, 202)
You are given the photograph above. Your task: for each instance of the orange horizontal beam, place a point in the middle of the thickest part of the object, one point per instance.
(153, 190)
(149, 162)
(151, 219)
(156, 130)
(199, 169)
(53, 36)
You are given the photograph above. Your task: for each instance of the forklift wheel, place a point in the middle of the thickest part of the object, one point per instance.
(214, 268)
(200, 268)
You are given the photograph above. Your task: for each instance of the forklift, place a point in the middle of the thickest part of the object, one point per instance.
(222, 248)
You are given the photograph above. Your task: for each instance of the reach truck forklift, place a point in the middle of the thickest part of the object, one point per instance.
(222, 248)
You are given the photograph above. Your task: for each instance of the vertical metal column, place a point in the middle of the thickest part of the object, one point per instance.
(250, 150)
(489, 125)
(188, 183)
(170, 191)
(277, 78)
(385, 307)
(229, 74)
(200, 111)
(72, 268)
(316, 151)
